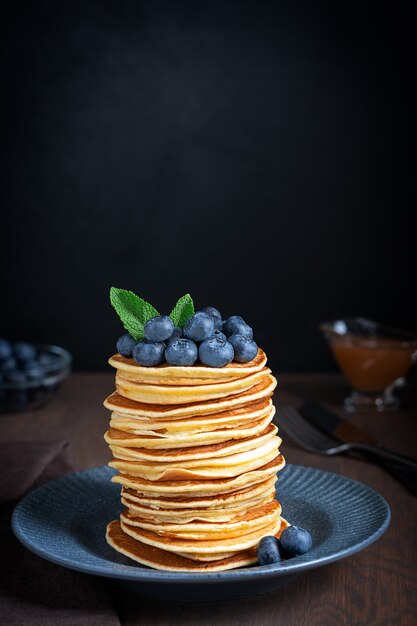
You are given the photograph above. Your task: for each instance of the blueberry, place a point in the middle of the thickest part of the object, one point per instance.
(199, 326)
(218, 334)
(5, 349)
(218, 323)
(211, 310)
(149, 353)
(125, 345)
(8, 364)
(181, 352)
(269, 550)
(15, 377)
(33, 370)
(235, 325)
(215, 352)
(158, 328)
(176, 333)
(244, 347)
(295, 541)
(46, 359)
(24, 351)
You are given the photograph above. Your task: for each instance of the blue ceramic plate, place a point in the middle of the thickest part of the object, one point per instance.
(65, 520)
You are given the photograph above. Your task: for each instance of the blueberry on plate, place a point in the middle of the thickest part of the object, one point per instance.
(125, 345)
(218, 334)
(295, 541)
(158, 328)
(215, 352)
(24, 351)
(199, 326)
(5, 349)
(269, 550)
(181, 351)
(211, 310)
(235, 325)
(149, 353)
(244, 347)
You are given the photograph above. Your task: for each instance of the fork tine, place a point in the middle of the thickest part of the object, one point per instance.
(315, 435)
(302, 432)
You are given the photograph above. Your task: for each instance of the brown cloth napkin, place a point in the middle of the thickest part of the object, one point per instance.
(34, 591)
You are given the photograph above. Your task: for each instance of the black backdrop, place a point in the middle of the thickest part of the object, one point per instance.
(254, 154)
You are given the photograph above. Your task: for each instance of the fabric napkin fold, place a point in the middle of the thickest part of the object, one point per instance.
(32, 590)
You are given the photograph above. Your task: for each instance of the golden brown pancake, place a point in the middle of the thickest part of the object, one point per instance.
(126, 405)
(163, 560)
(177, 395)
(176, 375)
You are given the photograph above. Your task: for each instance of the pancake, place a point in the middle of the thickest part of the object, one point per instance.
(128, 406)
(177, 395)
(201, 487)
(207, 546)
(222, 500)
(176, 375)
(213, 467)
(162, 560)
(195, 452)
(196, 423)
(117, 435)
(185, 516)
(237, 526)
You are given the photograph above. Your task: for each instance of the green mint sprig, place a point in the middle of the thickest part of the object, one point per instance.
(134, 312)
(182, 310)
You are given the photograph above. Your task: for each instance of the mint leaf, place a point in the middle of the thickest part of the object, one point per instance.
(132, 310)
(182, 310)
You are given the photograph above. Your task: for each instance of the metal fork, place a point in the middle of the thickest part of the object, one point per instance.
(309, 436)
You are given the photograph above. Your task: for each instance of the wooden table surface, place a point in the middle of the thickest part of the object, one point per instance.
(375, 586)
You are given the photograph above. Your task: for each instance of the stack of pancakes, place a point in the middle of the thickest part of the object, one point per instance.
(197, 455)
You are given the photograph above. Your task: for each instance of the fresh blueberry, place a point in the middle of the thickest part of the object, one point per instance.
(218, 334)
(218, 323)
(5, 349)
(244, 347)
(215, 352)
(15, 377)
(149, 353)
(295, 541)
(8, 364)
(48, 360)
(176, 333)
(199, 326)
(24, 351)
(269, 550)
(33, 370)
(158, 328)
(235, 325)
(181, 352)
(125, 345)
(211, 310)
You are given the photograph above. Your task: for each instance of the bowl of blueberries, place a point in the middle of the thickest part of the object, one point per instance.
(30, 374)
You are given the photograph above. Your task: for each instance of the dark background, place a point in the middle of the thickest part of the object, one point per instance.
(256, 155)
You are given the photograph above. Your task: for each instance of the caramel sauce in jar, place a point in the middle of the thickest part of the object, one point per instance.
(372, 364)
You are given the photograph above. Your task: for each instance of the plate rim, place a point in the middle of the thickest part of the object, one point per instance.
(149, 575)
